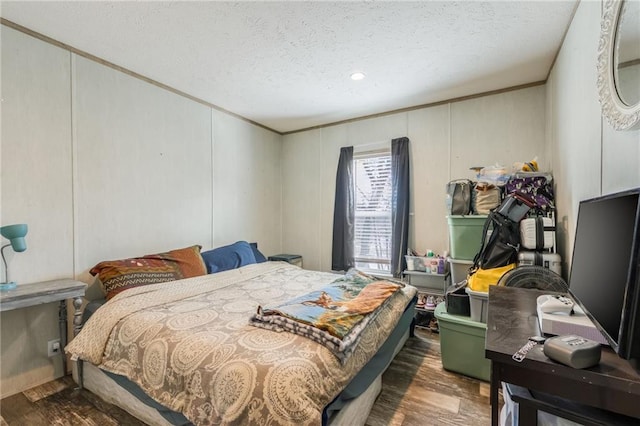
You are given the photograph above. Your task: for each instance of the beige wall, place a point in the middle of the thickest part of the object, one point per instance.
(102, 165)
(446, 140)
(36, 171)
(247, 187)
(142, 163)
(589, 157)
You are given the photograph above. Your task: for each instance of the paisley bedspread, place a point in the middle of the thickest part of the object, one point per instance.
(333, 316)
(188, 344)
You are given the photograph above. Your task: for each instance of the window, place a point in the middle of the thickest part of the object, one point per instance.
(371, 209)
(372, 182)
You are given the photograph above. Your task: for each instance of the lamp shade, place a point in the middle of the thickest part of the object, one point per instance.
(15, 234)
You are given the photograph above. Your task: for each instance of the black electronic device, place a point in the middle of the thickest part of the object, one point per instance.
(605, 276)
(572, 350)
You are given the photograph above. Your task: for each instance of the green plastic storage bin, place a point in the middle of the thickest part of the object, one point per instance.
(462, 344)
(465, 235)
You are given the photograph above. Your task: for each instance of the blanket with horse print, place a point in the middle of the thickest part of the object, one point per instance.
(333, 316)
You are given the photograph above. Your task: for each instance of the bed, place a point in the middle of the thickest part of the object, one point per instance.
(183, 352)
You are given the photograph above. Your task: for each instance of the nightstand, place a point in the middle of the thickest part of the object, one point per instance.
(294, 259)
(26, 295)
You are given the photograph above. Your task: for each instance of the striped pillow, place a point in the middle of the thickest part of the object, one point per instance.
(119, 275)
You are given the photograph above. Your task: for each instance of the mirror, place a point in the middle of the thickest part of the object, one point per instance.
(627, 53)
(619, 64)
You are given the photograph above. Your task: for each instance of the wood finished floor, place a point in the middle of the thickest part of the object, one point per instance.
(416, 391)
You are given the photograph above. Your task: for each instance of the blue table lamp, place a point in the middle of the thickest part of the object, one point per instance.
(15, 234)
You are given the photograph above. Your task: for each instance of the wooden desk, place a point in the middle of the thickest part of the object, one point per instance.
(26, 295)
(613, 385)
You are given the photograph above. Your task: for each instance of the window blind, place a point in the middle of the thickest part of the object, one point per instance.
(372, 245)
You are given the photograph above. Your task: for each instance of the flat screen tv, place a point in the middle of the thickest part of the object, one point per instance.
(605, 274)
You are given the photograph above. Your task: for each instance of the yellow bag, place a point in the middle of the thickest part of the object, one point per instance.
(481, 279)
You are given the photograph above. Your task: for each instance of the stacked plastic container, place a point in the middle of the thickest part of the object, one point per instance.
(465, 238)
(462, 337)
(462, 344)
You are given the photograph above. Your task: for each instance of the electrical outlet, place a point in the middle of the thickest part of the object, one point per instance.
(53, 347)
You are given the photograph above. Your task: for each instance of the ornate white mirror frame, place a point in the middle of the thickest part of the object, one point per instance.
(619, 115)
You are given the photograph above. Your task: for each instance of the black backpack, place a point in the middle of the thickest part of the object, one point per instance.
(501, 247)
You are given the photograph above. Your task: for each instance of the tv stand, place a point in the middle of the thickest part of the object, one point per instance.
(529, 405)
(612, 386)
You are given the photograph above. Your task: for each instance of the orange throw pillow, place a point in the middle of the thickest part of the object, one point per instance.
(119, 275)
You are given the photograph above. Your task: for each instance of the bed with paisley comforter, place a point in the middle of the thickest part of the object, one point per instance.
(187, 349)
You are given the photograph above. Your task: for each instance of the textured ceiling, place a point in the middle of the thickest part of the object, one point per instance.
(286, 65)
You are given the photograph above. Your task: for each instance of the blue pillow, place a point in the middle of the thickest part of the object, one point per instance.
(228, 257)
(259, 256)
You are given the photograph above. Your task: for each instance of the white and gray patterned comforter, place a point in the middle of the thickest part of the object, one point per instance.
(189, 346)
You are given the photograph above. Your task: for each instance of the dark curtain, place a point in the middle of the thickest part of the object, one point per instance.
(399, 204)
(344, 213)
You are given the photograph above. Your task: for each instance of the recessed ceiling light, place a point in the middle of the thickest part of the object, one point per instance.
(357, 76)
